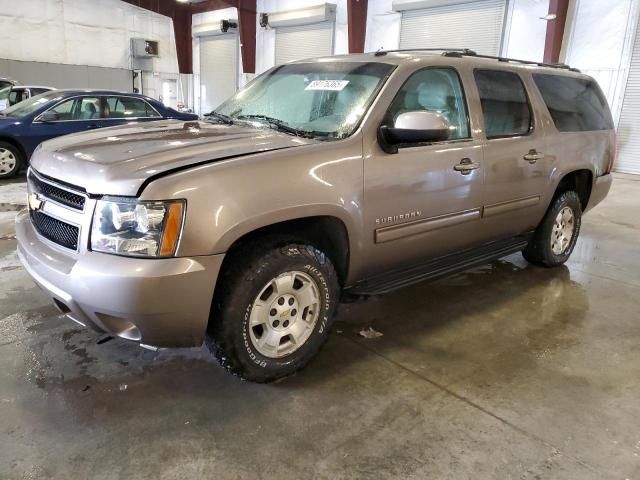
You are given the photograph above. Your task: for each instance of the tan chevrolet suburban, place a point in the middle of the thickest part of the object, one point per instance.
(320, 180)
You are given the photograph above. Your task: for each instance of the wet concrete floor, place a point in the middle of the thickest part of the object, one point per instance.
(507, 371)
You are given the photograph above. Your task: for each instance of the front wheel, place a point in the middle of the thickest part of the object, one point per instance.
(10, 160)
(273, 311)
(557, 234)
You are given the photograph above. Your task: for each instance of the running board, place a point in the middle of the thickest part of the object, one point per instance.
(438, 267)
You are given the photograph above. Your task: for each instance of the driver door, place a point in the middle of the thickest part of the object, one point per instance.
(426, 200)
(76, 114)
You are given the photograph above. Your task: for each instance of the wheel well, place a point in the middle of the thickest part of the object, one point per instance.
(326, 233)
(579, 181)
(12, 142)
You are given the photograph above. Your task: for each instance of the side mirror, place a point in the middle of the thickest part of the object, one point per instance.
(48, 116)
(420, 126)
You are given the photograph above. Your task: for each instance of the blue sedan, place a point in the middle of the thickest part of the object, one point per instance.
(60, 112)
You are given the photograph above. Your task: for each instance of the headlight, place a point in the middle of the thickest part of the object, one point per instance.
(145, 229)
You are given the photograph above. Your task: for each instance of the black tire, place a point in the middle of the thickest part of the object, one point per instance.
(17, 155)
(250, 269)
(539, 250)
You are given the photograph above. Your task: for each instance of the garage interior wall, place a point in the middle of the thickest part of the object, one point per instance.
(227, 62)
(266, 38)
(303, 41)
(476, 25)
(524, 31)
(79, 43)
(218, 69)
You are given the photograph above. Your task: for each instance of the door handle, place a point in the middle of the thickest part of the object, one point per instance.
(466, 166)
(533, 156)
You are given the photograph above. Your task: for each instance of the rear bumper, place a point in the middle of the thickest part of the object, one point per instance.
(599, 190)
(159, 302)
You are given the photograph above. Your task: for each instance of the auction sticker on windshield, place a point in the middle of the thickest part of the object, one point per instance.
(335, 85)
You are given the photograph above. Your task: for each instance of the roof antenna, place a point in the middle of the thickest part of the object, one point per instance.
(380, 52)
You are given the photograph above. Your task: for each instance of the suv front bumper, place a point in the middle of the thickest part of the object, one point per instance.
(159, 302)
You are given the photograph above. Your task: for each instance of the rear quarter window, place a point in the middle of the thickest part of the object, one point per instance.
(575, 104)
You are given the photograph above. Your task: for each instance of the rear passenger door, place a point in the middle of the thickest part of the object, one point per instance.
(516, 168)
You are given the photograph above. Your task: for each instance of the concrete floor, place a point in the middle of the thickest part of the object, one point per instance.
(508, 371)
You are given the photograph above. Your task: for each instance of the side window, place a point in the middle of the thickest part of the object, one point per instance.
(115, 108)
(151, 111)
(505, 105)
(575, 104)
(65, 110)
(129, 107)
(15, 97)
(437, 90)
(88, 108)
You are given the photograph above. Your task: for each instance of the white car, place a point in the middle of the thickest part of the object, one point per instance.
(13, 94)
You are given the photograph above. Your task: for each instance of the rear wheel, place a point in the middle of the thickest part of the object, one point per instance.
(10, 160)
(557, 234)
(273, 311)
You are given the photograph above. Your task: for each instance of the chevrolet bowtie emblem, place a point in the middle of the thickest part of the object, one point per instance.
(35, 203)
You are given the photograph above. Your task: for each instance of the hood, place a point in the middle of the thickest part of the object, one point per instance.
(118, 160)
(6, 121)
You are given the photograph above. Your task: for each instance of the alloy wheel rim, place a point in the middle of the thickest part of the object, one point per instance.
(563, 230)
(7, 161)
(284, 314)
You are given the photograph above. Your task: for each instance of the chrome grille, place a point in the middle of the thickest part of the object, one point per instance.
(55, 230)
(57, 194)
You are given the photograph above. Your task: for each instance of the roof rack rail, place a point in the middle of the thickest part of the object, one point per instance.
(381, 52)
(471, 53)
(466, 52)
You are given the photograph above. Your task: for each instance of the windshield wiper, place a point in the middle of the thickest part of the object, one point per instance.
(220, 116)
(279, 124)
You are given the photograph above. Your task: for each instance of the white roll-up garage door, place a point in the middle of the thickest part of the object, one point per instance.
(629, 124)
(474, 25)
(218, 69)
(304, 41)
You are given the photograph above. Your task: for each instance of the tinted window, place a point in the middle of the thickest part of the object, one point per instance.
(504, 101)
(129, 107)
(436, 90)
(575, 104)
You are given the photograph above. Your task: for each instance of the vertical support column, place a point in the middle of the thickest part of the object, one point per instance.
(182, 31)
(247, 13)
(555, 30)
(357, 24)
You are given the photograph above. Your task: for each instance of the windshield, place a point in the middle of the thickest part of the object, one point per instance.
(30, 105)
(320, 99)
(4, 93)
